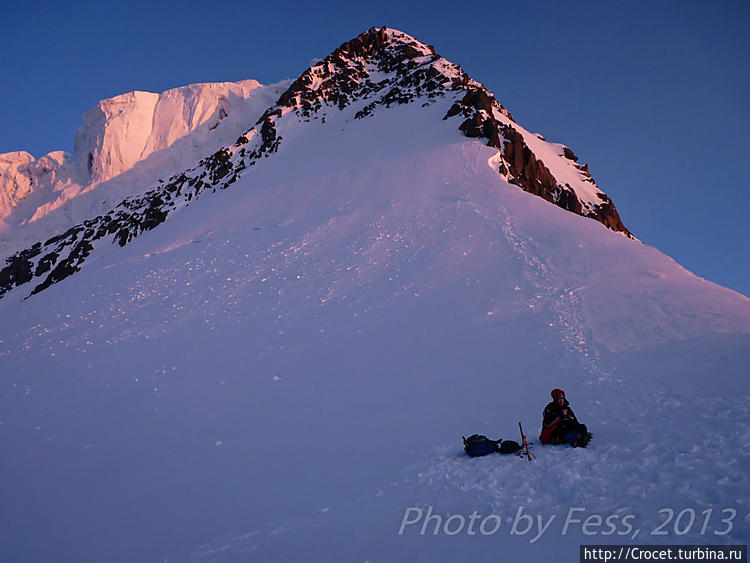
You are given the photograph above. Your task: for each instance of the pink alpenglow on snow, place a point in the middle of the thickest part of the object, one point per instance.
(278, 324)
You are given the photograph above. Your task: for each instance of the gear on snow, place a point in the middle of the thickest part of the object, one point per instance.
(477, 445)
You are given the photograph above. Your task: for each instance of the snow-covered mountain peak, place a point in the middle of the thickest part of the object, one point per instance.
(378, 61)
(387, 67)
(377, 70)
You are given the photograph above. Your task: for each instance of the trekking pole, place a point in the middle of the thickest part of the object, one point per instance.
(529, 455)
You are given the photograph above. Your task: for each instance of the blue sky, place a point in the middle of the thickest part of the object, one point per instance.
(654, 97)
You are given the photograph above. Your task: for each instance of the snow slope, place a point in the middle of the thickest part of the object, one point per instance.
(283, 368)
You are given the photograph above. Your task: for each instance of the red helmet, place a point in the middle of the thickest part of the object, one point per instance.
(556, 393)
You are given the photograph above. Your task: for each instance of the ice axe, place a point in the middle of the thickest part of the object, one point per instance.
(529, 455)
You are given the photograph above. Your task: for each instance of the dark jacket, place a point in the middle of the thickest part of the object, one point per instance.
(555, 423)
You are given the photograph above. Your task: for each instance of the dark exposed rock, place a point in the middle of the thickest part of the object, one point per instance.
(218, 164)
(19, 270)
(478, 107)
(68, 266)
(46, 263)
(343, 76)
(270, 139)
(569, 154)
(72, 232)
(609, 215)
(531, 174)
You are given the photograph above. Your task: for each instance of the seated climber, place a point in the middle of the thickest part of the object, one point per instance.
(560, 425)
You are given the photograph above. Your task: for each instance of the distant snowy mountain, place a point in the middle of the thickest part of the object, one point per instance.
(271, 352)
(134, 138)
(126, 129)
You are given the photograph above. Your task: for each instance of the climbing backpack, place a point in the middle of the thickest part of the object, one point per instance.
(509, 447)
(477, 445)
